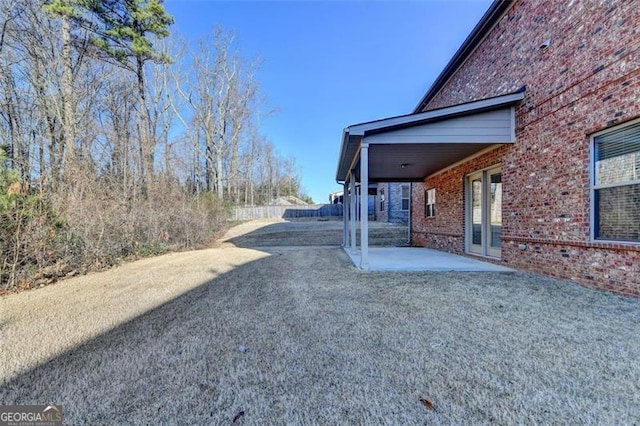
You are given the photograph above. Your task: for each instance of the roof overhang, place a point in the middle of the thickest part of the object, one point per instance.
(411, 147)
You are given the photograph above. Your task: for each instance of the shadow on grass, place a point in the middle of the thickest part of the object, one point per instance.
(312, 232)
(317, 232)
(327, 344)
(179, 362)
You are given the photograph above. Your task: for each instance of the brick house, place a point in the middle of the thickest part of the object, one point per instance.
(388, 201)
(393, 202)
(337, 197)
(525, 151)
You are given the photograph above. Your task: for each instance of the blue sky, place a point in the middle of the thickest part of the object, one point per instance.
(327, 65)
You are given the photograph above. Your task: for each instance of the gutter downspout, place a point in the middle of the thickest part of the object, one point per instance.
(388, 202)
(345, 216)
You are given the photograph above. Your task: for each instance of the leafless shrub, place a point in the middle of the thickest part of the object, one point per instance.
(92, 224)
(112, 152)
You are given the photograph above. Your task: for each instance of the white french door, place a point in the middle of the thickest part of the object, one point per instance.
(484, 213)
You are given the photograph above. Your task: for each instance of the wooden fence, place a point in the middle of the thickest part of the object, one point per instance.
(287, 212)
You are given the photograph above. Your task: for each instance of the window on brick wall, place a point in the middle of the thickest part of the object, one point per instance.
(430, 202)
(616, 184)
(381, 200)
(405, 197)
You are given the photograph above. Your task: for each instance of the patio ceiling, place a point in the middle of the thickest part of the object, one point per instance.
(411, 147)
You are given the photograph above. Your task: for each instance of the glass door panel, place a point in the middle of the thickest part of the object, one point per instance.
(484, 213)
(495, 214)
(476, 214)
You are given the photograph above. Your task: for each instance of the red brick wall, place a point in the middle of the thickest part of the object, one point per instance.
(587, 80)
(445, 231)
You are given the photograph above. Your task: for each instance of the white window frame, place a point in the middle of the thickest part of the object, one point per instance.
(430, 200)
(593, 187)
(381, 200)
(402, 197)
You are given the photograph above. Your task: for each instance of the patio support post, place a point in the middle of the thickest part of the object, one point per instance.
(345, 215)
(352, 208)
(364, 206)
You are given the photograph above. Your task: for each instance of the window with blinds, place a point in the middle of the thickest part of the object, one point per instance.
(616, 184)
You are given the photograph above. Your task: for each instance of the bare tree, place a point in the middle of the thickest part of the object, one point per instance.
(220, 98)
(81, 121)
(66, 11)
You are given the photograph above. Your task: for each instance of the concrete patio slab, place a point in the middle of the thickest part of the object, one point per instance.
(415, 259)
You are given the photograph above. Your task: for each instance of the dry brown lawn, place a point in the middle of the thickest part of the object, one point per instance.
(158, 341)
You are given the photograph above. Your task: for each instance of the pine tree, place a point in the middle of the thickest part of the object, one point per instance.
(125, 29)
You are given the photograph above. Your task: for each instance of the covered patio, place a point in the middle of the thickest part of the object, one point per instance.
(420, 259)
(409, 148)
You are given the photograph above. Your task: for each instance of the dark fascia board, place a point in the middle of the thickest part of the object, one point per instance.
(346, 137)
(487, 22)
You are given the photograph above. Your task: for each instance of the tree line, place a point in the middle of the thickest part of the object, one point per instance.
(118, 139)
